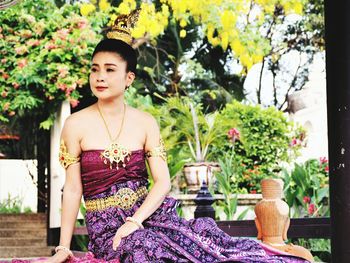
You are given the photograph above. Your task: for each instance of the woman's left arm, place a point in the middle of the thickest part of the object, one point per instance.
(159, 171)
(162, 184)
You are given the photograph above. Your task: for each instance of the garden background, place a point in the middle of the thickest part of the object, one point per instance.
(195, 61)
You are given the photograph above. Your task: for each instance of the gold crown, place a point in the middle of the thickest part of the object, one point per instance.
(122, 26)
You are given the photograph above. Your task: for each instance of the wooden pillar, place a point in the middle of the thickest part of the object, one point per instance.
(338, 110)
(57, 175)
(43, 157)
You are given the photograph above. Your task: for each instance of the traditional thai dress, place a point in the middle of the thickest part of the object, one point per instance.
(111, 195)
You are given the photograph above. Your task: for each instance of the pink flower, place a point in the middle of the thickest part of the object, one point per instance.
(294, 142)
(63, 33)
(21, 50)
(50, 46)
(5, 75)
(22, 63)
(26, 33)
(233, 134)
(326, 168)
(323, 160)
(4, 94)
(74, 102)
(63, 71)
(306, 199)
(33, 42)
(12, 113)
(311, 209)
(82, 23)
(6, 106)
(62, 86)
(80, 82)
(3, 61)
(15, 85)
(253, 191)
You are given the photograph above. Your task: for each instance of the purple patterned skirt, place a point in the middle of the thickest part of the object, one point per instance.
(168, 238)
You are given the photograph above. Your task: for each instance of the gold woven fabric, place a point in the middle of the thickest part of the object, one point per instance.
(65, 158)
(125, 198)
(158, 151)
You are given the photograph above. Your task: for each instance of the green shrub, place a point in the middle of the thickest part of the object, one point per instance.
(267, 139)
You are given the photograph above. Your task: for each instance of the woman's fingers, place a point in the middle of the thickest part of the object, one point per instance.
(116, 241)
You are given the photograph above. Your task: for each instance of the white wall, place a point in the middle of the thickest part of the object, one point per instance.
(15, 180)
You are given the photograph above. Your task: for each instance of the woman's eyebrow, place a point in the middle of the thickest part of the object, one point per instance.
(107, 64)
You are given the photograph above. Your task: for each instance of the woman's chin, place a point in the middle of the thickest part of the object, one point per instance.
(106, 97)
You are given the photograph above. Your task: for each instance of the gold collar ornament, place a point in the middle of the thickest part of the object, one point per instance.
(114, 153)
(122, 26)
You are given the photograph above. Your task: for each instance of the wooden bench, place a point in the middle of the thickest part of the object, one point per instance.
(318, 227)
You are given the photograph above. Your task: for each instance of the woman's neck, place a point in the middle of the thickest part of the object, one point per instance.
(111, 107)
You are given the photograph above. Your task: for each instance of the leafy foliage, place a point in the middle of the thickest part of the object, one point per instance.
(13, 205)
(45, 56)
(265, 142)
(306, 188)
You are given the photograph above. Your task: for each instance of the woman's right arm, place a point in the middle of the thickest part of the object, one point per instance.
(72, 190)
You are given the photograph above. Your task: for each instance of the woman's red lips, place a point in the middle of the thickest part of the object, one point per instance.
(101, 88)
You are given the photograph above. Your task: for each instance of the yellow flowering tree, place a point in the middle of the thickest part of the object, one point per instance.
(187, 34)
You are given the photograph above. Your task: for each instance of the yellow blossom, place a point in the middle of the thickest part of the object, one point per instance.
(228, 19)
(183, 33)
(214, 41)
(86, 9)
(183, 23)
(298, 8)
(138, 31)
(257, 58)
(237, 47)
(104, 5)
(224, 40)
(246, 61)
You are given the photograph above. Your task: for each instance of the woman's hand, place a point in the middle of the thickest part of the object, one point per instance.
(124, 231)
(59, 257)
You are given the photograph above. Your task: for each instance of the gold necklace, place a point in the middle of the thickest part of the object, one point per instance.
(114, 153)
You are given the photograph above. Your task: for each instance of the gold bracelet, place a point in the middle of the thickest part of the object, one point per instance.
(58, 248)
(133, 220)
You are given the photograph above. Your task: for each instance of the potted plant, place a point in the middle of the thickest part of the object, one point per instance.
(198, 131)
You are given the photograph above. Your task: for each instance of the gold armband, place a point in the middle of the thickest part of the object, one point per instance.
(65, 157)
(158, 151)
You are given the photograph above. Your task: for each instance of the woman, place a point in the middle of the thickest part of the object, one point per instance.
(103, 149)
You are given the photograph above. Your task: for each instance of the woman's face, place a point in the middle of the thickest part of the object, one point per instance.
(108, 76)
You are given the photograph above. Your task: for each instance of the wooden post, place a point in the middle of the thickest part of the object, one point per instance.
(204, 200)
(338, 110)
(57, 175)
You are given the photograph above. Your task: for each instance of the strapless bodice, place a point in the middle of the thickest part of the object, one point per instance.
(98, 177)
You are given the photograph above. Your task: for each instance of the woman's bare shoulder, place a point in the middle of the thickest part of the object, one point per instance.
(78, 121)
(141, 116)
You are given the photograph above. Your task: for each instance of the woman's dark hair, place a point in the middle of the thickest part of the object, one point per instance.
(125, 51)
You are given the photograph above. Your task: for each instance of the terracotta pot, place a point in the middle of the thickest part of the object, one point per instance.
(196, 173)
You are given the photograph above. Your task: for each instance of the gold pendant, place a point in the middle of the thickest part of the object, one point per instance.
(116, 153)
